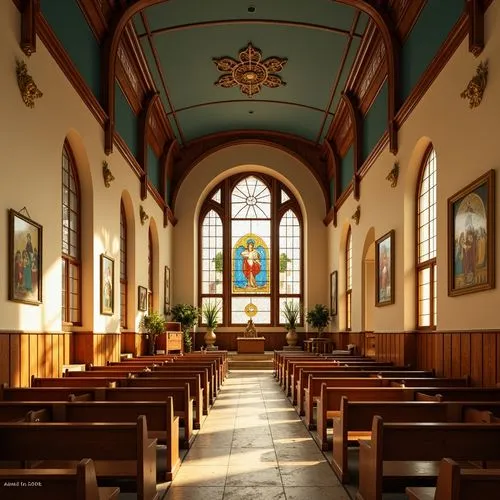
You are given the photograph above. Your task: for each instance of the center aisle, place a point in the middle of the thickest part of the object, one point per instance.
(253, 445)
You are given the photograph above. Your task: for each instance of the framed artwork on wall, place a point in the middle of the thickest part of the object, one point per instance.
(166, 291)
(25, 259)
(384, 270)
(107, 285)
(142, 298)
(333, 293)
(471, 237)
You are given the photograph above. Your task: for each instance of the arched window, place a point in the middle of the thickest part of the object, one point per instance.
(150, 272)
(123, 267)
(71, 241)
(348, 278)
(250, 249)
(426, 243)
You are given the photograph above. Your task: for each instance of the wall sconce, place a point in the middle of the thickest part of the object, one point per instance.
(475, 89)
(27, 86)
(356, 215)
(107, 175)
(393, 175)
(143, 215)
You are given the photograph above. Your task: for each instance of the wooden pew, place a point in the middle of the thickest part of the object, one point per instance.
(54, 484)
(458, 483)
(355, 420)
(304, 373)
(119, 450)
(429, 382)
(313, 391)
(181, 398)
(425, 444)
(328, 404)
(462, 393)
(38, 394)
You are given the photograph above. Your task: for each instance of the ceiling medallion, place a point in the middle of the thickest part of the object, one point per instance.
(250, 72)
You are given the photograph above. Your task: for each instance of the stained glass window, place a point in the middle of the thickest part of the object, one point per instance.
(123, 267)
(348, 255)
(240, 254)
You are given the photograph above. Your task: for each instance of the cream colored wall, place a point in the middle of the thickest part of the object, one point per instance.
(31, 144)
(243, 158)
(466, 144)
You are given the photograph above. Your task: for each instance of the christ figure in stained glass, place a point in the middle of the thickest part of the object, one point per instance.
(251, 266)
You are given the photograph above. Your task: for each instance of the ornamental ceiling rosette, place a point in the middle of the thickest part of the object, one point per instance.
(250, 72)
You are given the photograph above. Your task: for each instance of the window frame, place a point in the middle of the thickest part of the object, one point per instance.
(67, 259)
(431, 263)
(348, 278)
(223, 209)
(124, 263)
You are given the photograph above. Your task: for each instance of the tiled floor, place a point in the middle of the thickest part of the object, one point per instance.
(253, 445)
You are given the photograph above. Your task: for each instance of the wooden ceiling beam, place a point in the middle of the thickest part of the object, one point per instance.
(475, 11)
(29, 11)
(392, 53)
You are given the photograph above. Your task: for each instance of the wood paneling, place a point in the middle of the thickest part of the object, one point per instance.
(96, 348)
(23, 354)
(449, 353)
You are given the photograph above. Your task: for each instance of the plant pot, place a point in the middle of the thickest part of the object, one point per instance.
(210, 337)
(151, 345)
(292, 337)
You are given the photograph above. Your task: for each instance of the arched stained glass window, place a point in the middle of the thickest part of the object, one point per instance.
(250, 249)
(426, 242)
(123, 267)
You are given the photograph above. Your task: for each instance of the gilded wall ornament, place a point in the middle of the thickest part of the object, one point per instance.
(393, 175)
(107, 175)
(475, 89)
(143, 215)
(250, 72)
(356, 215)
(28, 88)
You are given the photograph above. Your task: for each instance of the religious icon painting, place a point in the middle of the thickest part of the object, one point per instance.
(250, 266)
(384, 270)
(107, 285)
(471, 237)
(25, 259)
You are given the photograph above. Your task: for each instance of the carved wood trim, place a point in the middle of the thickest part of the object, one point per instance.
(29, 18)
(475, 11)
(144, 118)
(94, 16)
(357, 127)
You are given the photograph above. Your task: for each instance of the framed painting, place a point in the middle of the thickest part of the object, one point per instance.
(107, 285)
(384, 270)
(25, 259)
(166, 291)
(333, 293)
(471, 237)
(142, 298)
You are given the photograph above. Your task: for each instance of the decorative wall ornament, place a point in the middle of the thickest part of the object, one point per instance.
(475, 89)
(143, 215)
(393, 175)
(356, 215)
(250, 72)
(107, 175)
(28, 88)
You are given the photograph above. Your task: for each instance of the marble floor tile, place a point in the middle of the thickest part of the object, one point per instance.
(252, 456)
(253, 476)
(195, 493)
(201, 476)
(254, 493)
(316, 493)
(316, 474)
(207, 456)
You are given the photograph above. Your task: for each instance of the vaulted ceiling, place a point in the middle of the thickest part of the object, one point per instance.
(318, 38)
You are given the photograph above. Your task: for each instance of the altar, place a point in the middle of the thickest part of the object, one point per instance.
(251, 345)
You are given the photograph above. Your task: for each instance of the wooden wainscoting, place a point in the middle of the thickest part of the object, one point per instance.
(457, 353)
(96, 348)
(23, 354)
(132, 342)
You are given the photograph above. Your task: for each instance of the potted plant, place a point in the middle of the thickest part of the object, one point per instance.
(291, 312)
(318, 317)
(187, 315)
(210, 312)
(152, 325)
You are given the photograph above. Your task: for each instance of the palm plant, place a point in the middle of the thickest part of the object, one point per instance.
(210, 312)
(318, 317)
(291, 312)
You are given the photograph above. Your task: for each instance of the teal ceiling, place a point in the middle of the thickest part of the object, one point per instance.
(181, 38)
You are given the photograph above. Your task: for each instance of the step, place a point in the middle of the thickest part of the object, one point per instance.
(266, 364)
